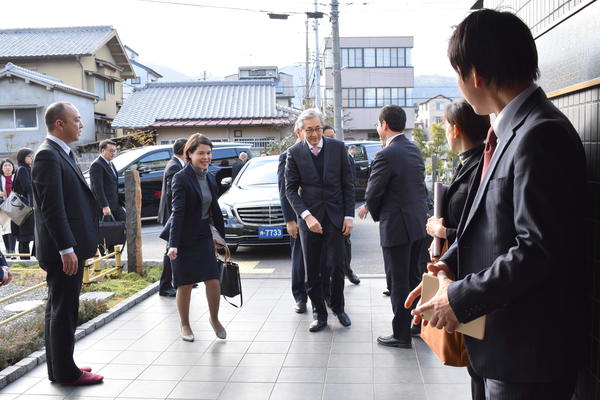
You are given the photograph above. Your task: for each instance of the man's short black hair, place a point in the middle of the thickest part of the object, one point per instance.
(328, 127)
(498, 45)
(105, 143)
(394, 116)
(178, 146)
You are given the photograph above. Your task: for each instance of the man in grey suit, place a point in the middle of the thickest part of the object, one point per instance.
(175, 164)
(518, 253)
(396, 197)
(320, 189)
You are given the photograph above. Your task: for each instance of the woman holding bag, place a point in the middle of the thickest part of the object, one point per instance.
(465, 133)
(22, 185)
(6, 184)
(191, 246)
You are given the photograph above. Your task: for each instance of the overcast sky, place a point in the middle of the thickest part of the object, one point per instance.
(196, 39)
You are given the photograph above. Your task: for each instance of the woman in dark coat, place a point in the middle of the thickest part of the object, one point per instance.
(6, 184)
(465, 133)
(191, 245)
(22, 185)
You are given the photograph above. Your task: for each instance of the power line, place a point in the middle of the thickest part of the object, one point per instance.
(179, 3)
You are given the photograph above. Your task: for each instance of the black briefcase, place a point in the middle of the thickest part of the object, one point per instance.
(231, 282)
(112, 232)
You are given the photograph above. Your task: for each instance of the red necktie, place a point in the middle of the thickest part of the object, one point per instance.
(490, 145)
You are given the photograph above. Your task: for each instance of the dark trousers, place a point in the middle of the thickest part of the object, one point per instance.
(298, 276)
(477, 385)
(315, 269)
(24, 249)
(347, 270)
(166, 278)
(419, 257)
(10, 241)
(501, 390)
(402, 273)
(62, 310)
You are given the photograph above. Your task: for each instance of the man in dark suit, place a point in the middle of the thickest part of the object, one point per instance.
(396, 197)
(320, 189)
(238, 164)
(66, 233)
(175, 164)
(518, 253)
(104, 178)
(298, 276)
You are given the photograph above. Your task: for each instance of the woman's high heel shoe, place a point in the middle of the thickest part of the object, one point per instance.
(188, 338)
(221, 334)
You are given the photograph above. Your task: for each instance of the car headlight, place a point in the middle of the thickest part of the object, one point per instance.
(226, 211)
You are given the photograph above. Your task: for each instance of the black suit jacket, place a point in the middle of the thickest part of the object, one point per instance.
(303, 187)
(396, 195)
(518, 254)
(166, 197)
(65, 208)
(185, 223)
(22, 185)
(286, 207)
(236, 168)
(456, 196)
(352, 168)
(104, 181)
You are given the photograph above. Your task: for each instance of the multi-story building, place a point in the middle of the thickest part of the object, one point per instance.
(143, 74)
(431, 111)
(90, 58)
(376, 71)
(284, 83)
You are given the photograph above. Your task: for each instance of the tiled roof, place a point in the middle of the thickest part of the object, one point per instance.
(45, 80)
(203, 102)
(68, 41)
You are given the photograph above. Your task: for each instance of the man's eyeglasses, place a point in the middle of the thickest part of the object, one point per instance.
(311, 130)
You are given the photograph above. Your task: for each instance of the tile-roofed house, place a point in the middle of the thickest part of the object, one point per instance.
(244, 111)
(90, 58)
(143, 74)
(24, 96)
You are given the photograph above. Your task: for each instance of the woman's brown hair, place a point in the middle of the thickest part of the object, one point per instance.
(193, 142)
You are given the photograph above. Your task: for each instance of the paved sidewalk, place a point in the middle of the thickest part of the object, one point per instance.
(269, 354)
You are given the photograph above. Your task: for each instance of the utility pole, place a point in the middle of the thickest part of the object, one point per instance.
(317, 62)
(307, 68)
(338, 113)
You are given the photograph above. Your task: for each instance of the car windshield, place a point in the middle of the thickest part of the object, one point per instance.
(259, 172)
(125, 158)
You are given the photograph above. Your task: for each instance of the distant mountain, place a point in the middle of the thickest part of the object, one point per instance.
(428, 86)
(169, 74)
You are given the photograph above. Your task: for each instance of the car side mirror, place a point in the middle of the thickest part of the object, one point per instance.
(226, 182)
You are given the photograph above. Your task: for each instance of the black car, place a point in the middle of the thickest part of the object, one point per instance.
(251, 207)
(150, 162)
(365, 154)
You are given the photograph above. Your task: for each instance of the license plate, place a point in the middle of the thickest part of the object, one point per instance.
(270, 232)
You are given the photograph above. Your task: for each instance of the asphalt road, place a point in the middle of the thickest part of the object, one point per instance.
(275, 260)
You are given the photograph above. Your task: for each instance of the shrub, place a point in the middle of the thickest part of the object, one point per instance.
(90, 309)
(20, 338)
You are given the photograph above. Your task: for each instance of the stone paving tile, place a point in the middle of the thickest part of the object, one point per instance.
(269, 354)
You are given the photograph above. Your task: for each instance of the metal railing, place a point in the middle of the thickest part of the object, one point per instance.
(91, 273)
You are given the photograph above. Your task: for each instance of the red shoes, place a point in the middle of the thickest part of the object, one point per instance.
(86, 378)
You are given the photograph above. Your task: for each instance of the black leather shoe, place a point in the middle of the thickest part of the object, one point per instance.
(317, 325)
(168, 293)
(386, 292)
(343, 318)
(391, 341)
(415, 330)
(300, 307)
(353, 278)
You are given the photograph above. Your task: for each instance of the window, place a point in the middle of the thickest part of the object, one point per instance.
(369, 55)
(373, 57)
(360, 153)
(136, 81)
(439, 106)
(370, 98)
(398, 97)
(224, 157)
(328, 97)
(409, 97)
(373, 97)
(408, 58)
(18, 118)
(100, 88)
(152, 162)
(110, 87)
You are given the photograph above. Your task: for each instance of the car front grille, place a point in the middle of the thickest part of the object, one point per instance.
(265, 215)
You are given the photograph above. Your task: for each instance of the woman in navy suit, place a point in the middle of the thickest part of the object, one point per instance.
(191, 246)
(22, 185)
(465, 133)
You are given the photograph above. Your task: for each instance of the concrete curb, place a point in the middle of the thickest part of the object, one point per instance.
(14, 372)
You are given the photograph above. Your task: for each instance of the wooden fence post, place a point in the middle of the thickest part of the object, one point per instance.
(133, 223)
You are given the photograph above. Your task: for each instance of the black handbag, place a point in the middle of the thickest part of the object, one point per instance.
(112, 232)
(231, 282)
